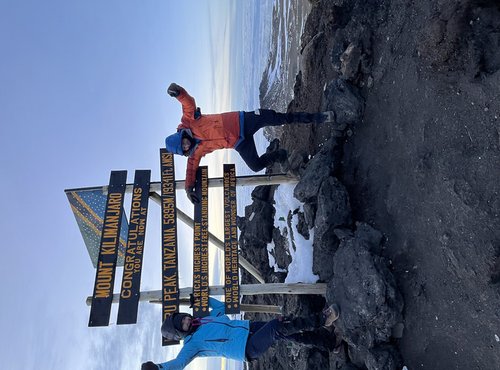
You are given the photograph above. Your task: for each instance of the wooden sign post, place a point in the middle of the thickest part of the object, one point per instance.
(200, 246)
(170, 261)
(231, 263)
(170, 295)
(108, 251)
(132, 268)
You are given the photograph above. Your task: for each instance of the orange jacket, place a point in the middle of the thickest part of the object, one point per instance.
(214, 131)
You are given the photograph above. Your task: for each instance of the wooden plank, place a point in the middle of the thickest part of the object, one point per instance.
(102, 297)
(245, 289)
(132, 268)
(170, 260)
(217, 182)
(246, 308)
(200, 245)
(231, 253)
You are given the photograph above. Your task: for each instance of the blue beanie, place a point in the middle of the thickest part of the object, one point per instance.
(173, 143)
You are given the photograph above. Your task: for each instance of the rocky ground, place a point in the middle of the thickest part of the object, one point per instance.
(405, 209)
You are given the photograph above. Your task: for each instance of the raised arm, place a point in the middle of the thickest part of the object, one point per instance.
(185, 356)
(187, 101)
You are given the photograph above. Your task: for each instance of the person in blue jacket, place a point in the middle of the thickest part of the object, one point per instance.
(217, 335)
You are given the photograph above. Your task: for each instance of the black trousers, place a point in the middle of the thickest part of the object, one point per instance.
(253, 122)
(301, 330)
(262, 336)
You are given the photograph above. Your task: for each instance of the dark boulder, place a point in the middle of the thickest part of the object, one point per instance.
(281, 252)
(320, 167)
(259, 216)
(257, 230)
(344, 99)
(366, 292)
(333, 212)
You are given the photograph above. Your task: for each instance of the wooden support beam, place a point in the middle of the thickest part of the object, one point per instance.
(248, 308)
(213, 239)
(246, 289)
(251, 180)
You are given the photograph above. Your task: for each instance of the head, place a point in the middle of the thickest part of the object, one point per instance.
(186, 145)
(177, 326)
(179, 143)
(149, 366)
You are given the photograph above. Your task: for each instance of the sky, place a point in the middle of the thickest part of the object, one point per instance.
(82, 92)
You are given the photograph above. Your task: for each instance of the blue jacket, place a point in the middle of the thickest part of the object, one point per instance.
(218, 336)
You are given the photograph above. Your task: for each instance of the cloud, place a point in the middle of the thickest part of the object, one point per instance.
(127, 346)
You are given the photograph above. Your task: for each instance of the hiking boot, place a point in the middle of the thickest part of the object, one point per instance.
(311, 338)
(331, 314)
(322, 338)
(279, 155)
(338, 343)
(290, 325)
(325, 117)
(332, 338)
(338, 348)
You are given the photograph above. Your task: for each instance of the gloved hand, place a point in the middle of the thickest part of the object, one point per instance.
(191, 194)
(149, 366)
(197, 113)
(174, 90)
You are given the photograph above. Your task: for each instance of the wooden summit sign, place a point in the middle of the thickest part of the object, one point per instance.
(170, 294)
(102, 297)
(132, 267)
(231, 263)
(170, 277)
(200, 246)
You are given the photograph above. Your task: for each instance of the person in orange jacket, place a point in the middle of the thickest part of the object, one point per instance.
(199, 134)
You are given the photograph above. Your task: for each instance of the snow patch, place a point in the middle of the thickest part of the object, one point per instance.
(300, 269)
(272, 260)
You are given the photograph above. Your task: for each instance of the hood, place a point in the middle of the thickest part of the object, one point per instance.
(169, 330)
(173, 143)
